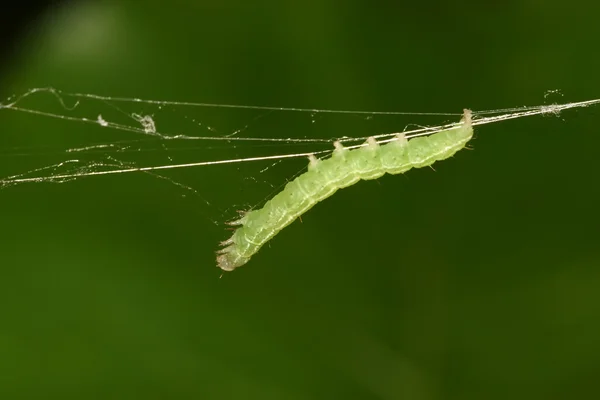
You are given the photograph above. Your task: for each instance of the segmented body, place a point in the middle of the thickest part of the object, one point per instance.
(324, 177)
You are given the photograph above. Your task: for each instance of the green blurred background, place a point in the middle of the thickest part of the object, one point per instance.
(478, 281)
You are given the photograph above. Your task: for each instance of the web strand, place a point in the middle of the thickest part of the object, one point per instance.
(148, 129)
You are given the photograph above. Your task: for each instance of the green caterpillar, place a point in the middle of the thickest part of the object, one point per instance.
(324, 177)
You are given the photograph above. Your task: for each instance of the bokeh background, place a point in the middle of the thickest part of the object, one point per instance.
(480, 280)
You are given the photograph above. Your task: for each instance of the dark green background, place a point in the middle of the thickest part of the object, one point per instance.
(478, 281)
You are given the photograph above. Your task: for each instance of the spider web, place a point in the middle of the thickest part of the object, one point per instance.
(92, 136)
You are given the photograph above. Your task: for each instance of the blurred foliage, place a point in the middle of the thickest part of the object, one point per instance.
(477, 281)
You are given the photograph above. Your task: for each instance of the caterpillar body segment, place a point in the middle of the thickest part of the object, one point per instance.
(324, 177)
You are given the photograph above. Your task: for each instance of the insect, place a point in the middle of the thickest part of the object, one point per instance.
(324, 177)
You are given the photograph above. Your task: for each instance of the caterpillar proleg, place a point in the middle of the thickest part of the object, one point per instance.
(324, 177)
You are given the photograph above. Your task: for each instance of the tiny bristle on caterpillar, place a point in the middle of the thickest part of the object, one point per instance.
(324, 177)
